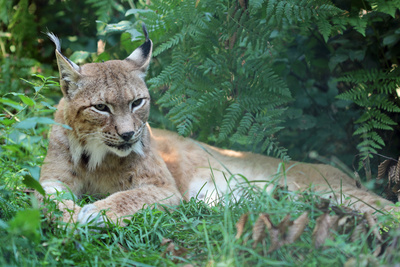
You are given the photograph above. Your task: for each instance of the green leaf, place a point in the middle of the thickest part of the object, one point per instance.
(31, 123)
(37, 88)
(28, 101)
(359, 24)
(128, 38)
(325, 28)
(34, 170)
(47, 105)
(11, 103)
(31, 182)
(26, 223)
(388, 7)
(119, 27)
(391, 39)
(103, 57)
(7, 122)
(79, 56)
(26, 124)
(137, 11)
(135, 34)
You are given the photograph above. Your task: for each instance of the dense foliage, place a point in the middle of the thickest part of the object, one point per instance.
(259, 72)
(248, 74)
(277, 77)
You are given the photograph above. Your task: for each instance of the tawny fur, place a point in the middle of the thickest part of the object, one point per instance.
(153, 166)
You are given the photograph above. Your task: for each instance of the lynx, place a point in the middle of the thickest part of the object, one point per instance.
(110, 151)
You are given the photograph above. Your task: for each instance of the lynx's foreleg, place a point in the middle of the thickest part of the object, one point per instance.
(126, 203)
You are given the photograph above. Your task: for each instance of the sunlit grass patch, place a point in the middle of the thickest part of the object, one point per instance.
(197, 234)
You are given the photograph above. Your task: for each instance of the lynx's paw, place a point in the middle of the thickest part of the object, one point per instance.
(90, 214)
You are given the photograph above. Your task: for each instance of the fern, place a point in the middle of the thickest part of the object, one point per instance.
(220, 78)
(231, 118)
(104, 9)
(217, 73)
(175, 40)
(372, 90)
(304, 11)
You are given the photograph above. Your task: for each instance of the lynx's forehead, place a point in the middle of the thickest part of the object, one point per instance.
(112, 81)
(115, 73)
(98, 69)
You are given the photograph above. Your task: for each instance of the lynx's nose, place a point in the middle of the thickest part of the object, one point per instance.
(127, 136)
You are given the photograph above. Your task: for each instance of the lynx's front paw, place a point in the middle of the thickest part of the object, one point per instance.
(90, 214)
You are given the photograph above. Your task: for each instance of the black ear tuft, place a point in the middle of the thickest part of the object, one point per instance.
(69, 71)
(146, 34)
(57, 42)
(146, 47)
(141, 56)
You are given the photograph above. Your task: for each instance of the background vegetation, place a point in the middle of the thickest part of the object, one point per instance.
(284, 78)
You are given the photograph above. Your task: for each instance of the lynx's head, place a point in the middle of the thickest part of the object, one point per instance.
(106, 104)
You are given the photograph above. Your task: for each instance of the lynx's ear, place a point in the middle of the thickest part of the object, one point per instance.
(69, 71)
(142, 55)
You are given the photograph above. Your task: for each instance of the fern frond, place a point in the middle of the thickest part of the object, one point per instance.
(372, 90)
(220, 80)
(376, 115)
(103, 8)
(244, 125)
(173, 41)
(256, 4)
(231, 117)
(375, 137)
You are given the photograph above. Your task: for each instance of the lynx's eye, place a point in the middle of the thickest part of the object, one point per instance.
(102, 107)
(137, 103)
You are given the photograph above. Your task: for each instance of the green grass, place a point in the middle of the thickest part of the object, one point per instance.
(198, 234)
(201, 236)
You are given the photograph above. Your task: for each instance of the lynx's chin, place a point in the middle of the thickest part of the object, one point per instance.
(125, 149)
(94, 151)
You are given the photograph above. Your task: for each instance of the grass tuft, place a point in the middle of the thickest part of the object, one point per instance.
(196, 234)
